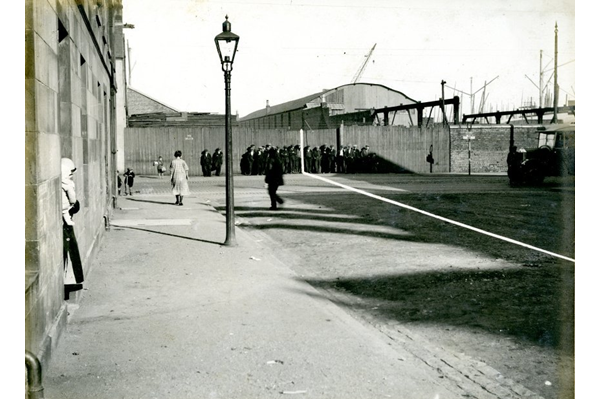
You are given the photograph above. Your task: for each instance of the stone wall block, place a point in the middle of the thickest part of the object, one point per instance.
(46, 21)
(49, 156)
(45, 63)
(46, 108)
(31, 214)
(31, 166)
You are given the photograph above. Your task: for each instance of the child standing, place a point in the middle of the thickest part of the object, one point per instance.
(128, 176)
(119, 182)
(160, 166)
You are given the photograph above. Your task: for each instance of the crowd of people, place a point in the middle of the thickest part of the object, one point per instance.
(323, 159)
(256, 160)
(271, 161)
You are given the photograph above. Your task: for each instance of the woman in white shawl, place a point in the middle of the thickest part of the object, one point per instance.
(72, 264)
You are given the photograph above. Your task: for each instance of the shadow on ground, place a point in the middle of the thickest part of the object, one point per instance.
(117, 227)
(543, 222)
(170, 203)
(531, 304)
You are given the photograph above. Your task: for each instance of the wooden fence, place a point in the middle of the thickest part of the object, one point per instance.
(403, 148)
(399, 148)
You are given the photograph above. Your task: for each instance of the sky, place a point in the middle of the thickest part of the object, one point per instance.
(292, 48)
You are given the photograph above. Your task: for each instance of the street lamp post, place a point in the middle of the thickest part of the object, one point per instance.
(227, 43)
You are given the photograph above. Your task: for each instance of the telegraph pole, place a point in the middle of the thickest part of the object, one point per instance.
(555, 118)
(471, 97)
(541, 82)
(129, 62)
(443, 105)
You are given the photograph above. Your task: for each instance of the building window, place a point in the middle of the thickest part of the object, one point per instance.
(62, 32)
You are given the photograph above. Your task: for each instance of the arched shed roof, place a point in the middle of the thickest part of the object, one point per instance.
(303, 101)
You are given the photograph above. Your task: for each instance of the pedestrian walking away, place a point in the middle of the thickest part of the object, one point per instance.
(274, 177)
(73, 267)
(128, 176)
(179, 178)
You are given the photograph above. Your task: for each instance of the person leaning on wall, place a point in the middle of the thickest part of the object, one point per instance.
(72, 265)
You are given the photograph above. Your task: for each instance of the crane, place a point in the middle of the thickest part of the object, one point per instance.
(363, 66)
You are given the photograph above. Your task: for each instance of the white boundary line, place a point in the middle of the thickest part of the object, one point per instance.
(421, 211)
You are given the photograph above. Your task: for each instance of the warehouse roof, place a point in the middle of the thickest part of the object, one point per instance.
(140, 103)
(284, 107)
(303, 101)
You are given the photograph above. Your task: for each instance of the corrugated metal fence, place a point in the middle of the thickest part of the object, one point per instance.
(399, 148)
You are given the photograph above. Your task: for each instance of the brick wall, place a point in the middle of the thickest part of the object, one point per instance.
(489, 148)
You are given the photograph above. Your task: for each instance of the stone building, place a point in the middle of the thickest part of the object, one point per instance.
(73, 72)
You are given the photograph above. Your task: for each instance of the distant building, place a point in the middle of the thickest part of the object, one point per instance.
(352, 104)
(145, 112)
(139, 103)
(182, 119)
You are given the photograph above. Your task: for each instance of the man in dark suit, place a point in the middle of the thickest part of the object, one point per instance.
(274, 177)
(205, 162)
(217, 161)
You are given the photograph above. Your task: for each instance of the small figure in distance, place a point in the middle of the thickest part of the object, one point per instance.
(274, 177)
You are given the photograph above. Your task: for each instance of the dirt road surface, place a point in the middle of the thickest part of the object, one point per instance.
(470, 305)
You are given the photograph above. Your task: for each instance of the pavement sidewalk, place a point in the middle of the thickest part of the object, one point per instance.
(169, 312)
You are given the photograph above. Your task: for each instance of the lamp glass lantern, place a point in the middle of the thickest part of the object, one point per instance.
(227, 43)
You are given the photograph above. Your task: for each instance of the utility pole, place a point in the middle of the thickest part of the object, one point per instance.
(482, 101)
(129, 61)
(555, 118)
(541, 81)
(472, 104)
(128, 78)
(443, 105)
